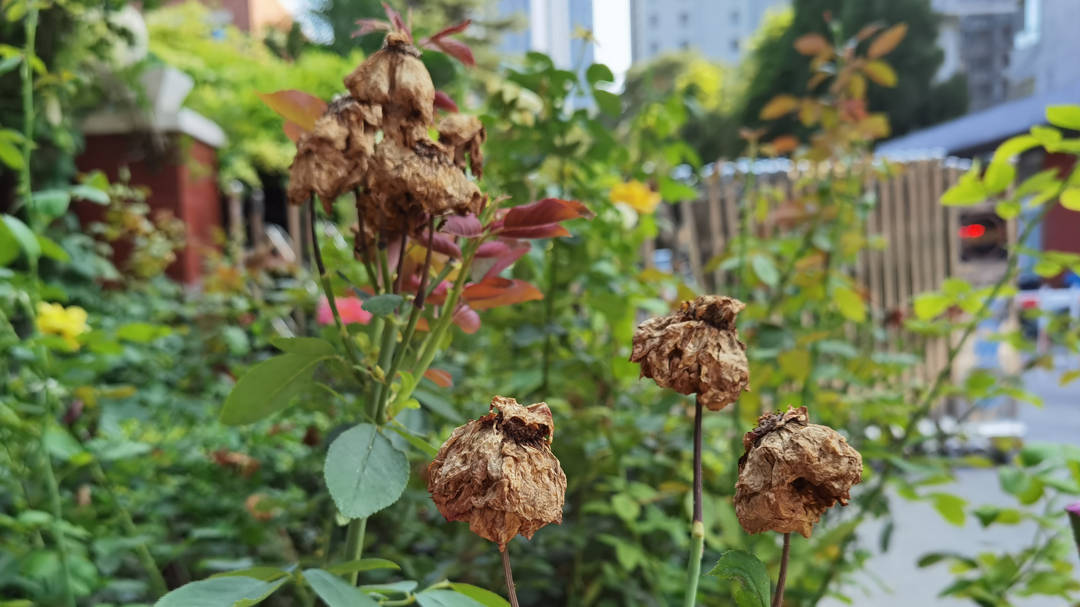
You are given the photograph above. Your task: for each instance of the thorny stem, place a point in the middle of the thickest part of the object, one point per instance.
(697, 529)
(781, 579)
(926, 401)
(510, 589)
(354, 545)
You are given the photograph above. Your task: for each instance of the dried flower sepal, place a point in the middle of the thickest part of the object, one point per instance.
(498, 473)
(696, 350)
(792, 472)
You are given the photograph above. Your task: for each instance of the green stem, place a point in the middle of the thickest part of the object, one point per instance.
(549, 312)
(697, 529)
(30, 26)
(354, 545)
(157, 582)
(430, 344)
(55, 506)
(324, 279)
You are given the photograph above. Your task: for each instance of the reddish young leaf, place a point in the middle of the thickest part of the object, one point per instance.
(444, 102)
(295, 106)
(545, 211)
(494, 291)
(467, 318)
(370, 25)
(457, 28)
(495, 256)
(439, 377)
(455, 48)
(292, 130)
(547, 230)
(441, 243)
(395, 18)
(463, 225)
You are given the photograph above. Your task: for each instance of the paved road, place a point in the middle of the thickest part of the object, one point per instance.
(893, 580)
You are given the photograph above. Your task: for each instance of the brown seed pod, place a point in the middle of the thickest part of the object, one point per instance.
(696, 350)
(792, 472)
(499, 474)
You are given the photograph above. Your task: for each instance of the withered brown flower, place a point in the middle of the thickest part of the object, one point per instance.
(499, 474)
(792, 472)
(375, 141)
(696, 350)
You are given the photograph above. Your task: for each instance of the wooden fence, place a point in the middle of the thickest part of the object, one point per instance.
(922, 237)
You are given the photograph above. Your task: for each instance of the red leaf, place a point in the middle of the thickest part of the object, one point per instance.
(467, 318)
(548, 210)
(494, 257)
(295, 106)
(441, 243)
(547, 230)
(443, 101)
(455, 48)
(395, 18)
(463, 225)
(439, 377)
(494, 291)
(370, 25)
(292, 130)
(457, 28)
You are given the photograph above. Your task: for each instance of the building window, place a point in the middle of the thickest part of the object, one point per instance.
(734, 17)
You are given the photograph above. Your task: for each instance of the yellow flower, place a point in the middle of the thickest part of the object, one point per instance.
(55, 319)
(636, 195)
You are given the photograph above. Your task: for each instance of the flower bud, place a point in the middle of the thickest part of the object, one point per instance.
(792, 472)
(696, 350)
(499, 474)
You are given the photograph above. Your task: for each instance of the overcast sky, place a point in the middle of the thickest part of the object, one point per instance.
(611, 21)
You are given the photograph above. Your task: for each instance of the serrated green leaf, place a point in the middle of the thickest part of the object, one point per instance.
(232, 591)
(750, 574)
(334, 591)
(268, 387)
(364, 471)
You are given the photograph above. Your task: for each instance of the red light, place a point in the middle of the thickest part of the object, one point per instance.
(974, 230)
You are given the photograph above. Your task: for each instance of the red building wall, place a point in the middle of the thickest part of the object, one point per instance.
(1061, 229)
(181, 174)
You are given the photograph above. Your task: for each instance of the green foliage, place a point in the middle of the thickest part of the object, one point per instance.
(749, 574)
(364, 471)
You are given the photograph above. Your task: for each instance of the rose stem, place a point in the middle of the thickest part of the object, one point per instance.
(354, 545)
(778, 598)
(509, 577)
(400, 262)
(697, 530)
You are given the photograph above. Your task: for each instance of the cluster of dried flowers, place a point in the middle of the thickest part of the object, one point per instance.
(792, 472)
(499, 474)
(374, 141)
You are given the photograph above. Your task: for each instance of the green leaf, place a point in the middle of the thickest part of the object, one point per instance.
(998, 176)
(334, 591)
(24, 236)
(381, 305)
(625, 507)
(142, 332)
(445, 598)
(311, 346)
(1027, 488)
(1007, 209)
(11, 155)
(1013, 146)
(10, 63)
(416, 441)
(930, 305)
(233, 591)
(364, 471)
(1070, 199)
(266, 574)
(609, 103)
(968, 190)
(951, 507)
(480, 595)
(676, 191)
(1065, 116)
(362, 565)
(850, 304)
(53, 203)
(9, 246)
(598, 72)
(50, 249)
(765, 270)
(89, 193)
(750, 573)
(268, 387)
(989, 515)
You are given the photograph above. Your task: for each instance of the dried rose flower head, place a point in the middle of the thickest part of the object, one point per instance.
(499, 474)
(375, 141)
(696, 350)
(792, 472)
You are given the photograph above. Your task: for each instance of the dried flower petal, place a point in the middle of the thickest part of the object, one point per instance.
(499, 474)
(696, 350)
(464, 134)
(792, 472)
